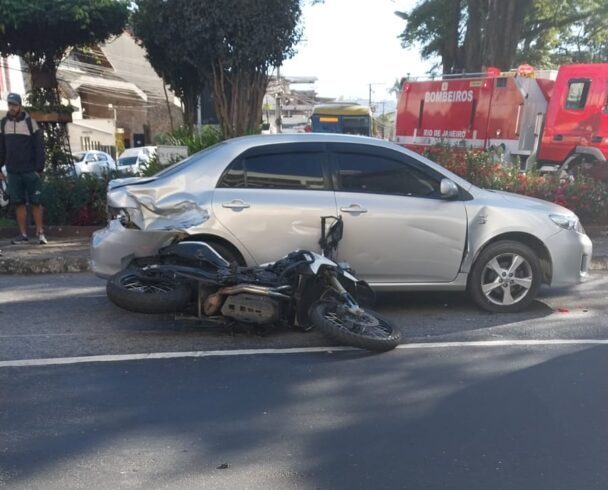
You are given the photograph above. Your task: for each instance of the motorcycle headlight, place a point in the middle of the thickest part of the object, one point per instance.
(567, 222)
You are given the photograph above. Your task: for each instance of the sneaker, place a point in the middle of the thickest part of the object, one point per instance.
(19, 240)
(42, 239)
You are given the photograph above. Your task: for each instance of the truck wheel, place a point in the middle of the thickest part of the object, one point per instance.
(576, 166)
(505, 278)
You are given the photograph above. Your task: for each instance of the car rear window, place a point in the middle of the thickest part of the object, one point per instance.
(127, 161)
(277, 171)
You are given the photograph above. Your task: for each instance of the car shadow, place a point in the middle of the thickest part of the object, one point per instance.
(424, 315)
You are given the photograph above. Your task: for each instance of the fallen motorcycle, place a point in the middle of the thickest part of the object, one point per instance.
(303, 289)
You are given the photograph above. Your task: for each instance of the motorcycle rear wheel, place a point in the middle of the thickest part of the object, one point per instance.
(370, 330)
(135, 292)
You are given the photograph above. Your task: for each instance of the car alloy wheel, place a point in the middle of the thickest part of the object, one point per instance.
(506, 279)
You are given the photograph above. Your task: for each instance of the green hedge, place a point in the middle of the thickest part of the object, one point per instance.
(78, 201)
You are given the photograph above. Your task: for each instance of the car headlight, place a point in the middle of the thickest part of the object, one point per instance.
(567, 222)
(125, 216)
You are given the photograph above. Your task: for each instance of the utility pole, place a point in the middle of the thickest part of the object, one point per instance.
(383, 120)
(370, 94)
(278, 114)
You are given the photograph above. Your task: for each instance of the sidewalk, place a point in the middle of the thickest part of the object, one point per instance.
(61, 254)
(71, 254)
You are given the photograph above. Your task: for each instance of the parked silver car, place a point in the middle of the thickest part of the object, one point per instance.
(409, 224)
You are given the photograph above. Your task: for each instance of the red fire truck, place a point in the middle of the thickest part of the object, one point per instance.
(554, 120)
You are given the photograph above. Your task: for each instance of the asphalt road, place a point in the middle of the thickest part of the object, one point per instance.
(471, 401)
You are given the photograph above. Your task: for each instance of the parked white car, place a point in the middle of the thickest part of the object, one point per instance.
(131, 160)
(93, 162)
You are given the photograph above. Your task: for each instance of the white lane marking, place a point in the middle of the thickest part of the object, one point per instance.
(56, 361)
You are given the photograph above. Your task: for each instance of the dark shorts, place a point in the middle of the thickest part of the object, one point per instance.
(24, 188)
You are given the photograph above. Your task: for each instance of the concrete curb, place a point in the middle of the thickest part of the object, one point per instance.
(599, 263)
(53, 265)
(60, 265)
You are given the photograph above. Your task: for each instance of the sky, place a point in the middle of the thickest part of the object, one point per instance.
(348, 44)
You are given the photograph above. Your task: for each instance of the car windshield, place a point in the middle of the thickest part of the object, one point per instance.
(193, 159)
(127, 161)
(79, 156)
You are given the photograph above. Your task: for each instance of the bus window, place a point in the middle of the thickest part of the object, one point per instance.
(355, 125)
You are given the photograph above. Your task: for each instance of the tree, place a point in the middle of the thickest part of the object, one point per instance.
(42, 31)
(435, 27)
(565, 31)
(161, 31)
(232, 44)
(470, 34)
(243, 47)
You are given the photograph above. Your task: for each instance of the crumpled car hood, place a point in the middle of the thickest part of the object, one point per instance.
(116, 183)
(152, 206)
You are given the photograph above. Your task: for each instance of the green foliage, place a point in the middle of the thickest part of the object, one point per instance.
(195, 140)
(44, 29)
(565, 31)
(41, 32)
(159, 27)
(152, 167)
(78, 201)
(6, 222)
(588, 198)
(230, 45)
(469, 34)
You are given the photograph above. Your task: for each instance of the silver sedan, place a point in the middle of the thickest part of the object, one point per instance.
(409, 224)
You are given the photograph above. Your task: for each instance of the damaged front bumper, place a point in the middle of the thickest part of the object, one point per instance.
(114, 247)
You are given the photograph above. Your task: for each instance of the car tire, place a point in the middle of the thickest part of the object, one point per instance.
(505, 278)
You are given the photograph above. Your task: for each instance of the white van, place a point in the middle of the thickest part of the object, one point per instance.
(130, 161)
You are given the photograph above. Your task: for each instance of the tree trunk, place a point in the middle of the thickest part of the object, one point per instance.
(473, 39)
(238, 97)
(450, 51)
(504, 30)
(168, 107)
(190, 102)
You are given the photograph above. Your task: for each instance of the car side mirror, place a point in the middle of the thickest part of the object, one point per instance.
(448, 189)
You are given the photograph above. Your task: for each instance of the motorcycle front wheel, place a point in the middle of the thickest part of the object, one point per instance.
(133, 291)
(365, 330)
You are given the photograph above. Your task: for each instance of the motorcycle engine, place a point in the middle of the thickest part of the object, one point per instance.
(250, 308)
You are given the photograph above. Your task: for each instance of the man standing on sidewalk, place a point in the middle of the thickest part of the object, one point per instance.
(22, 151)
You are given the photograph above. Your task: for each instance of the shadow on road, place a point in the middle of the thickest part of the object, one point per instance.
(478, 419)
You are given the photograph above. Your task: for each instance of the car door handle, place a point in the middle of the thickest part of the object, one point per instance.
(558, 137)
(353, 208)
(235, 204)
